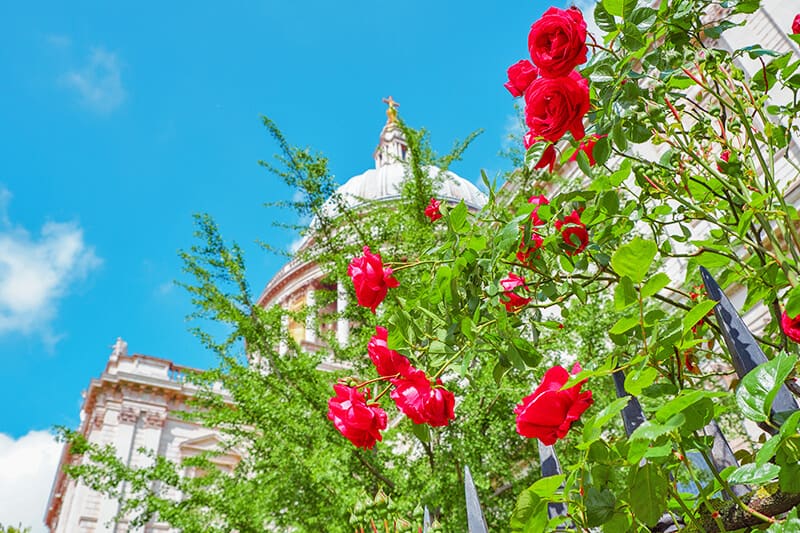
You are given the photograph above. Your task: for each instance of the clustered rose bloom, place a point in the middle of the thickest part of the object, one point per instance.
(432, 211)
(513, 301)
(413, 393)
(548, 413)
(421, 402)
(573, 232)
(361, 423)
(791, 326)
(387, 362)
(557, 41)
(371, 280)
(796, 24)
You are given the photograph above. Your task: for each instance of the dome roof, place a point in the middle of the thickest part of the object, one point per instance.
(386, 182)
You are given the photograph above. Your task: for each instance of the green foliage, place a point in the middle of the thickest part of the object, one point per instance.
(612, 306)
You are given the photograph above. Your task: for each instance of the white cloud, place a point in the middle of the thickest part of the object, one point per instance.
(29, 466)
(36, 272)
(99, 82)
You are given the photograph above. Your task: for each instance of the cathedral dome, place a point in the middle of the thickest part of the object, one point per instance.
(386, 181)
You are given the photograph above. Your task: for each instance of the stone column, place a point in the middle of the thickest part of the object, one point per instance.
(311, 299)
(342, 324)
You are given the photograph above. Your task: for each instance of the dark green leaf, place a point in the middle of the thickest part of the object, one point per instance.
(648, 493)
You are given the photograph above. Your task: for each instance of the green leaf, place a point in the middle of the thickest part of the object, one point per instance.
(793, 302)
(654, 284)
(624, 294)
(458, 217)
(648, 493)
(546, 487)
(599, 506)
(593, 427)
(634, 259)
(753, 473)
(686, 398)
(696, 314)
(534, 154)
(624, 324)
(758, 388)
(618, 7)
(790, 524)
(601, 151)
(650, 430)
(604, 19)
(789, 478)
(640, 379)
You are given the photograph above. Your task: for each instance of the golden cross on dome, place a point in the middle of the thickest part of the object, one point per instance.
(391, 113)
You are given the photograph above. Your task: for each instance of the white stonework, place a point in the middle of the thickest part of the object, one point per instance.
(132, 405)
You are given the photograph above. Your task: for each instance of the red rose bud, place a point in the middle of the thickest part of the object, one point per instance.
(520, 75)
(432, 211)
(359, 422)
(587, 147)
(573, 232)
(371, 279)
(526, 249)
(509, 298)
(791, 326)
(555, 106)
(725, 156)
(387, 362)
(557, 42)
(548, 413)
(419, 401)
(796, 24)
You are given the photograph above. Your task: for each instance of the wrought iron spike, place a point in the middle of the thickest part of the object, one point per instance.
(722, 456)
(745, 352)
(632, 414)
(551, 467)
(475, 520)
(426, 521)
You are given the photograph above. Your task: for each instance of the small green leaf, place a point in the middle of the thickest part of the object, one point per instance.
(650, 430)
(593, 427)
(793, 302)
(624, 324)
(599, 506)
(753, 473)
(624, 294)
(640, 379)
(648, 493)
(696, 314)
(546, 487)
(655, 284)
(534, 154)
(634, 259)
(758, 388)
(458, 217)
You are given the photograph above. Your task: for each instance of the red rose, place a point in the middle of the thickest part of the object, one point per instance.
(387, 362)
(548, 413)
(520, 75)
(421, 402)
(555, 106)
(509, 298)
(537, 201)
(439, 407)
(791, 326)
(359, 422)
(725, 156)
(587, 147)
(371, 279)
(410, 394)
(432, 211)
(557, 42)
(526, 249)
(796, 24)
(573, 232)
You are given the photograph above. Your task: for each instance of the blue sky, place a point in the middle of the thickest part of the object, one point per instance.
(120, 120)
